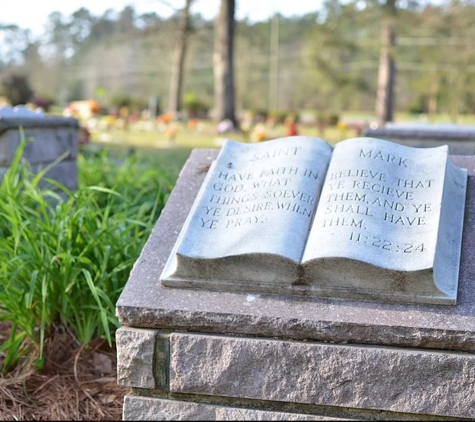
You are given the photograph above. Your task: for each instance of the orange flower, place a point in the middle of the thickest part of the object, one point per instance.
(165, 118)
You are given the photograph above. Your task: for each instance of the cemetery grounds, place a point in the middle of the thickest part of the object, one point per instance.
(63, 266)
(64, 263)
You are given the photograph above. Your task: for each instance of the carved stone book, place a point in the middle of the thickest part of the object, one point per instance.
(366, 219)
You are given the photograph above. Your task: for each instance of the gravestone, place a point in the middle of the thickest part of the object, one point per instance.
(232, 355)
(459, 138)
(365, 219)
(52, 138)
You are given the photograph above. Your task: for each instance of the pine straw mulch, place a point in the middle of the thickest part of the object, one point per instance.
(77, 383)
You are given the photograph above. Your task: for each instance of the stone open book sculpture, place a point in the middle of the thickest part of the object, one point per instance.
(367, 219)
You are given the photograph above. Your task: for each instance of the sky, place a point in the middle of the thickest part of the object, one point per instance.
(33, 14)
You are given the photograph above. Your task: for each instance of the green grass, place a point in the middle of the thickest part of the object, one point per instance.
(64, 260)
(204, 137)
(205, 134)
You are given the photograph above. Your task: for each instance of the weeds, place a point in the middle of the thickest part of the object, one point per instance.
(65, 256)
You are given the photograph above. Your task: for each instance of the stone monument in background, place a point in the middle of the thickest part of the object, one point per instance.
(459, 138)
(53, 139)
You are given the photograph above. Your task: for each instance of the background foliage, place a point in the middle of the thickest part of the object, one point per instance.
(326, 60)
(64, 260)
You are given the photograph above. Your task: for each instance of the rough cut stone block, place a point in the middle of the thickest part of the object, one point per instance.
(399, 380)
(151, 409)
(135, 357)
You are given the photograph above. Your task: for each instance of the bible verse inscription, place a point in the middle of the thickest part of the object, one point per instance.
(257, 192)
(238, 199)
(378, 201)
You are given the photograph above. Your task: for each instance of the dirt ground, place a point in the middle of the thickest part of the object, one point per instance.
(77, 383)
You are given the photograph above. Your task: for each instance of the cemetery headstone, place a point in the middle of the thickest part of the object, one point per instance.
(367, 219)
(232, 354)
(459, 138)
(52, 138)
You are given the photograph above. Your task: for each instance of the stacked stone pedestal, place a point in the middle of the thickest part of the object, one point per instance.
(202, 355)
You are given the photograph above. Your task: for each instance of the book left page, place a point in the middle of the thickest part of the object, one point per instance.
(252, 217)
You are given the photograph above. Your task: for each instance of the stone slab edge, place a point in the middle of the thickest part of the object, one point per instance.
(153, 409)
(388, 379)
(7, 123)
(420, 133)
(146, 303)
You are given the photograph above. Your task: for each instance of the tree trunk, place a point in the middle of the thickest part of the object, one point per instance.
(274, 64)
(224, 90)
(387, 66)
(176, 83)
(433, 93)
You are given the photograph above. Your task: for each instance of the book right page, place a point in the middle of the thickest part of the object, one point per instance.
(378, 221)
